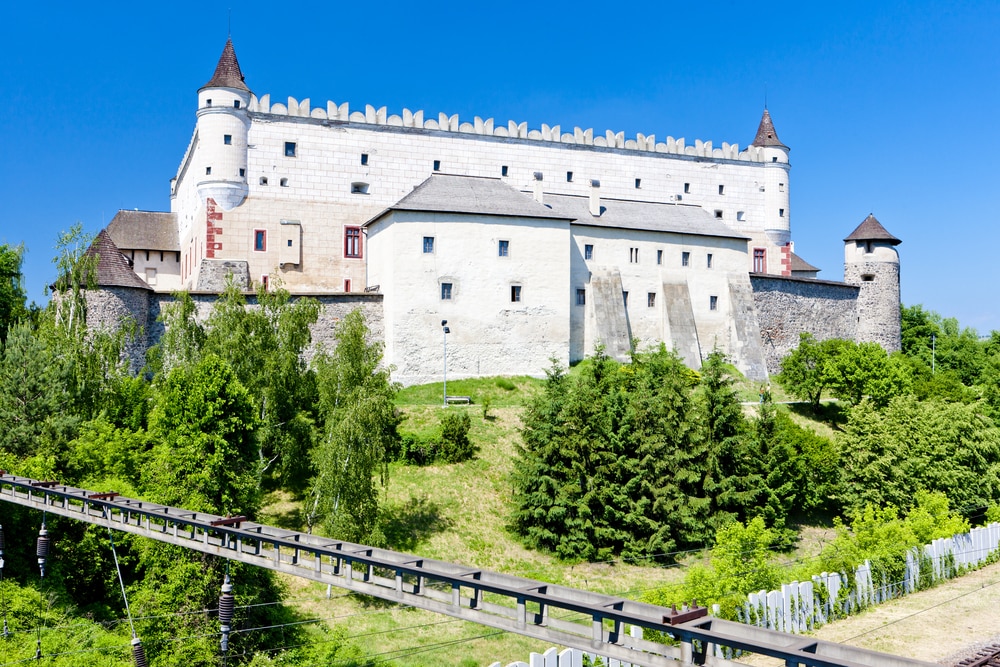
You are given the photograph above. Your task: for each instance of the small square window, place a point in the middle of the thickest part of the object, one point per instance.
(227, 139)
(685, 258)
(718, 214)
(659, 257)
(243, 172)
(503, 248)
(581, 297)
(446, 291)
(437, 165)
(781, 213)
(208, 102)
(713, 303)
(503, 170)
(263, 180)
(741, 216)
(289, 243)
(283, 182)
(569, 176)
(708, 262)
(208, 171)
(722, 189)
(515, 293)
(774, 159)
(289, 149)
(428, 245)
(651, 299)
(638, 183)
(364, 158)
(236, 104)
(687, 188)
(781, 187)
(259, 240)
(588, 251)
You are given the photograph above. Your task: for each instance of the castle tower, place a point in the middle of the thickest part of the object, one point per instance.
(777, 216)
(872, 263)
(223, 127)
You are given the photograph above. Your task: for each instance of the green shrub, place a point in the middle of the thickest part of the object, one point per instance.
(506, 384)
(413, 450)
(455, 444)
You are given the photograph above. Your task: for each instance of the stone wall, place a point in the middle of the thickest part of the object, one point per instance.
(787, 307)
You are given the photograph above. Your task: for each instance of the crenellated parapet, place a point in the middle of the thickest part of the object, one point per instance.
(512, 129)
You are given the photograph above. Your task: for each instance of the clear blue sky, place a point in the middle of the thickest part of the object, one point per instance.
(889, 108)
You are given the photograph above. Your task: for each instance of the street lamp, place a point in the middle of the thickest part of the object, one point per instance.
(444, 335)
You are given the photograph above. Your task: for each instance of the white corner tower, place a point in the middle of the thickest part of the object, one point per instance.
(774, 154)
(872, 263)
(223, 127)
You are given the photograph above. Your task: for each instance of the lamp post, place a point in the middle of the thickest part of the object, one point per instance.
(444, 335)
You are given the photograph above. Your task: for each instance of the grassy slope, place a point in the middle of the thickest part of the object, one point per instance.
(458, 513)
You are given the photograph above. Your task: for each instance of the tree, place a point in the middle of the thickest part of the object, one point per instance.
(858, 370)
(12, 294)
(806, 372)
(360, 421)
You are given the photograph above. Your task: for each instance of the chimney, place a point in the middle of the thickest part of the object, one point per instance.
(595, 198)
(538, 188)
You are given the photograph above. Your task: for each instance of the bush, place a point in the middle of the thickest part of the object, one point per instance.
(506, 384)
(455, 444)
(415, 451)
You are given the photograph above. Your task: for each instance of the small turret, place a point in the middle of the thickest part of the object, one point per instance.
(223, 128)
(872, 262)
(774, 154)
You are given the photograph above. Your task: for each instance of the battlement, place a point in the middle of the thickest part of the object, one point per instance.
(512, 129)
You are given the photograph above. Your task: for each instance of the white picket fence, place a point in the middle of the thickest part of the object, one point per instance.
(801, 606)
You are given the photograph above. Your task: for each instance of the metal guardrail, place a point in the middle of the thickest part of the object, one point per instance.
(557, 614)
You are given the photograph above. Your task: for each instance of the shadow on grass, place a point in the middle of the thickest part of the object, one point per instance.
(407, 524)
(833, 413)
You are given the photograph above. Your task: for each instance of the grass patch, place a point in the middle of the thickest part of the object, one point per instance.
(500, 391)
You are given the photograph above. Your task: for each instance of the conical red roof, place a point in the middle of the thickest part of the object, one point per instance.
(766, 135)
(227, 72)
(872, 230)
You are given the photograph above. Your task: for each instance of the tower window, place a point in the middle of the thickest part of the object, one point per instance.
(685, 258)
(740, 216)
(290, 149)
(283, 182)
(515, 293)
(364, 159)
(581, 297)
(774, 159)
(437, 165)
(781, 213)
(446, 291)
(236, 104)
(569, 176)
(227, 139)
(208, 171)
(503, 248)
(352, 242)
(722, 189)
(263, 180)
(243, 172)
(867, 278)
(687, 188)
(428, 245)
(638, 183)
(713, 303)
(759, 260)
(718, 214)
(781, 187)
(503, 170)
(259, 240)
(659, 257)
(708, 263)
(588, 251)
(651, 299)
(208, 102)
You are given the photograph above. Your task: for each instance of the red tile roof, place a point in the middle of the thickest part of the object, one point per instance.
(227, 72)
(766, 135)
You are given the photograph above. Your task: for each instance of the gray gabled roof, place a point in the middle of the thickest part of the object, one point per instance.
(145, 230)
(640, 215)
(442, 193)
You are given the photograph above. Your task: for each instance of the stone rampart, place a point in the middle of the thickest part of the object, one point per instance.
(787, 307)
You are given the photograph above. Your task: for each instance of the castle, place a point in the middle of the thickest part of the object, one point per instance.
(532, 244)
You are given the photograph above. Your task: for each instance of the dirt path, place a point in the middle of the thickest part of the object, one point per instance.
(937, 625)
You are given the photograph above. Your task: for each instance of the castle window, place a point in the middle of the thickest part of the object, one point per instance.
(722, 189)
(352, 242)
(685, 258)
(259, 240)
(740, 216)
(208, 102)
(227, 139)
(687, 188)
(781, 213)
(581, 296)
(708, 263)
(633, 255)
(515, 293)
(774, 159)
(781, 187)
(263, 180)
(208, 171)
(289, 149)
(289, 243)
(503, 248)
(364, 159)
(569, 176)
(243, 172)
(428, 245)
(503, 170)
(437, 165)
(718, 214)
(759, 260)
(651, 299)
(446, 291)
(236, 104)
(625, 297)
(359, 188)
(283, 182)
(867, 278)
(659, 257)
(588, 251)
(638, 183)
(347, 285)
(713, 303)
